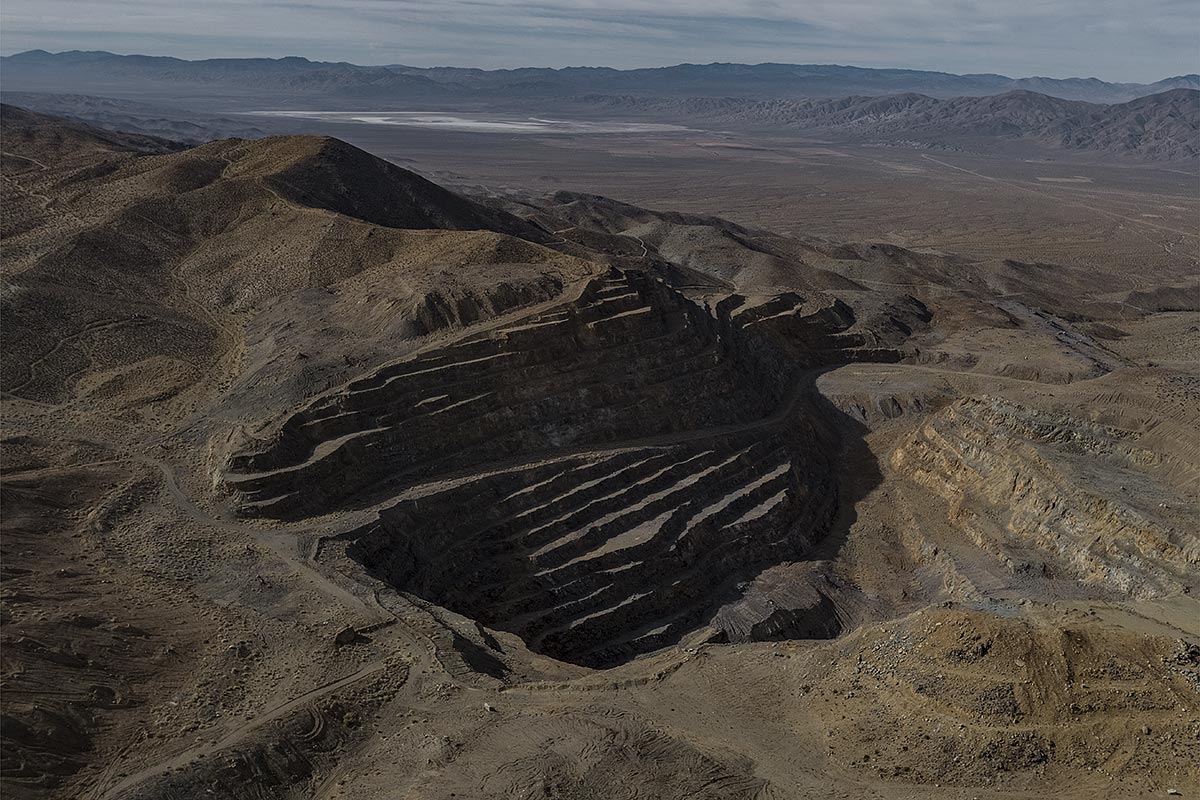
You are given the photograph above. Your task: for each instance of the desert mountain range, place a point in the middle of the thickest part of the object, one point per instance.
(1163, 126)
(87, 70)
(195, 101)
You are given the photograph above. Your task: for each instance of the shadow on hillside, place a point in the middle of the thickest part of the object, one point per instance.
(472, 552)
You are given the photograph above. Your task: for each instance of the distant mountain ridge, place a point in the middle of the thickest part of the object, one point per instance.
(38, 70)
(1163, 126)
(77, 71)
(790, 80)
(130, 116)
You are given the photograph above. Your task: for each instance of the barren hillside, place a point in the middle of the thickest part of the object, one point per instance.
(1163, 126)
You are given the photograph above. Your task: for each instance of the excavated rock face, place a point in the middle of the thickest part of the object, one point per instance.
(628, 359)
(1065, 496)
(594, 560)
(599, 477)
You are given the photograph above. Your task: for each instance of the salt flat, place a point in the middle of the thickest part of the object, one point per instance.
(481, 123)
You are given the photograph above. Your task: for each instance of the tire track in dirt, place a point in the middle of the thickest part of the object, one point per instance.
(234, 736)
(1019, 187)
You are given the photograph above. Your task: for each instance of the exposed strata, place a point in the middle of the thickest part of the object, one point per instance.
(620, 463)
(627, 359)
(659, 461)
(1054, 494)
(598, 559)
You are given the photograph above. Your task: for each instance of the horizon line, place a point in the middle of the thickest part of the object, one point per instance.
(598, 67)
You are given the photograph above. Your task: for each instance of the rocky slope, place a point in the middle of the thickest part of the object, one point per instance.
(33, 134)
(1029, 487)
(104, 241)
(130, 116)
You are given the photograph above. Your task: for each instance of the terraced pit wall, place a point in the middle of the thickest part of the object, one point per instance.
(630, 358)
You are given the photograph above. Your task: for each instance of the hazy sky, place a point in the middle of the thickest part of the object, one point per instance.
(1118, 40)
